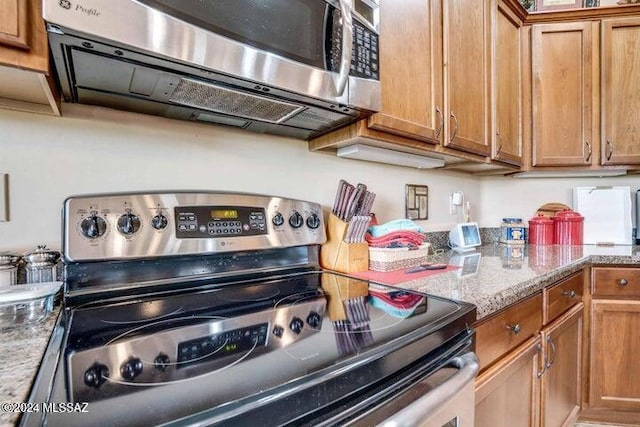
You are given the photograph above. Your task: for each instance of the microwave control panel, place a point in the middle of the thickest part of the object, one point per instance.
(364, 57)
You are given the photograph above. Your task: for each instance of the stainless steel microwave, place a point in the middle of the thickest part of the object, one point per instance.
(293, 67)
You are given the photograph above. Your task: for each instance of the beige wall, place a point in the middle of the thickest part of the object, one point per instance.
(94, 149)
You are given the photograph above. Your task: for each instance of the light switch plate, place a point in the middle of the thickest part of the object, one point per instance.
(4, 197)
(417, 201)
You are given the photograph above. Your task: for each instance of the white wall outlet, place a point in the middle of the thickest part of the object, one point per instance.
(4, 197)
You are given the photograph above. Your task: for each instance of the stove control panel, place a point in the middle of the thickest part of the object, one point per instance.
(149, 225)
(176, 354)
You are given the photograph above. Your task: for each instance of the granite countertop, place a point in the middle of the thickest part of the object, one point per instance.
(22, 348)
(498, 275)
(492, 277)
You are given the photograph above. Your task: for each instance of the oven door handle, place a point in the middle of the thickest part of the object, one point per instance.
(412, 415)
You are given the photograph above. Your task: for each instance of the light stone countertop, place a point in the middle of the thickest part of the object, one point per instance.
(504, 275)
(21, 350)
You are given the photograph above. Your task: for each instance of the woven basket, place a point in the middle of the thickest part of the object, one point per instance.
(389, 259)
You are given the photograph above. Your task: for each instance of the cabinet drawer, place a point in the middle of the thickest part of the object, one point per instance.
(616, 282)
(504, 331)
(562, 296)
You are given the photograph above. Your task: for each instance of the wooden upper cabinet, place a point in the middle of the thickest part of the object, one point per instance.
(466, 60)
(562, 89)
(507, 84)
(410, 74)
(620, 140)
(13, 23)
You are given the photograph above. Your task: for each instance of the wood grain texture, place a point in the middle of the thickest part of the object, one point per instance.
(494, 338)
(561, 382)
(620, 143)
(36, 58)
(608, 282)
(409, 59)
(550, 209)
(507, 83)
(615, 346)
(14, 30)
(507, 395)
(562, 296)
(466, 40)
(562, 91)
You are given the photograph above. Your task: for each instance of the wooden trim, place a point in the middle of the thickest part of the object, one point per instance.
(586, 13)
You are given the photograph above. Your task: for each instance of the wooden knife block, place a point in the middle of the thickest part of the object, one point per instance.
(340, 256)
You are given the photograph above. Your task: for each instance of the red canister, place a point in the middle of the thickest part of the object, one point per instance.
(540, 230)
(568, 227)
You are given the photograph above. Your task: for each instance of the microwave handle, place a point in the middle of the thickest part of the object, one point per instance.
(347, 41)
(412, 415)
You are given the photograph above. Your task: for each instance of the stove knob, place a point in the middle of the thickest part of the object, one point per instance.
(96, 375)
(314, 320)
(93, 227)
(296, 220)
(131, 368)
(278, 331)
(128, 223)
(296, 325)
(161, 362)
(277, 219)
(159, 222)
(313, 221)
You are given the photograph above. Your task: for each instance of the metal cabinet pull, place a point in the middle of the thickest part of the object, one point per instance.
(515, 328)
(441, 127)
(455, 129)
(588, 159)
(570, 294)
(610, 147)
(553, 349)
(544, 362)
(499, 143)
(623, 282)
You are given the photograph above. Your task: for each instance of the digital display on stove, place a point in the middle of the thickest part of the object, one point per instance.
(212, 347)
(224, 213)
(219, 221)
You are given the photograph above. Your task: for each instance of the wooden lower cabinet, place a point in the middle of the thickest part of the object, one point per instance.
(507, 393)
(615, 355)
(560, 384)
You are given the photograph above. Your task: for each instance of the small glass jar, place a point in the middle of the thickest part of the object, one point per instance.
(512, 231)
(41, 265)
(8, 269)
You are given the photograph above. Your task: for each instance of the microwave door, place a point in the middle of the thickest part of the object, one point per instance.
(290, 53)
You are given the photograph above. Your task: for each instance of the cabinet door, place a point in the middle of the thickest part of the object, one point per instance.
(466, 52)
(507, 394)
(410, 70)
(13, 23)
(507, 82)
(561, 382)
(562, 60)
(615, 346)
(620, 92)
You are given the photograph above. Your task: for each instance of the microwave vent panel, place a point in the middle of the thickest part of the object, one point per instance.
(219, 99)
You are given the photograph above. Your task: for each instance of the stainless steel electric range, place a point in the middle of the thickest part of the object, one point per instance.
(206, 308)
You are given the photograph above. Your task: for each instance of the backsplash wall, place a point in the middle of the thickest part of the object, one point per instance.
(93, 150)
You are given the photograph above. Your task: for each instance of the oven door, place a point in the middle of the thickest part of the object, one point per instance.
(444, 399)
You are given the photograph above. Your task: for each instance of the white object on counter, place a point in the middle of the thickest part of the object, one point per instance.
(606, 212)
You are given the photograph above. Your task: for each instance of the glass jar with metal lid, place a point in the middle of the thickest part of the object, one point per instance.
(8, 269)
(512, 231)
(41, 265)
